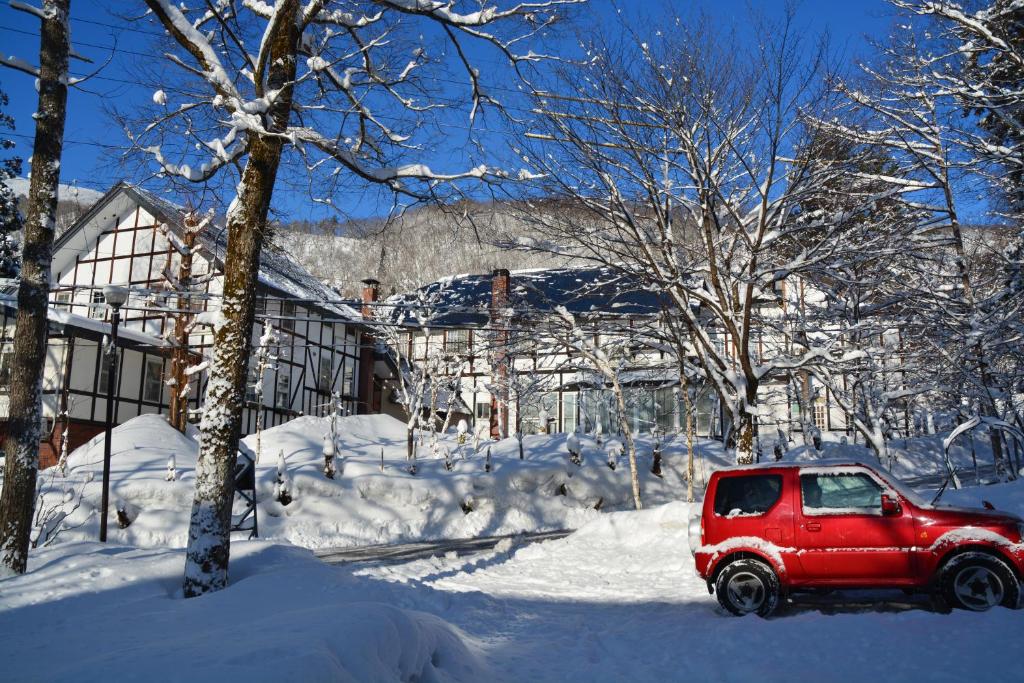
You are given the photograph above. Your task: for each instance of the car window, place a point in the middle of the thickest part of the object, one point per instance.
(747, 495)
(840, 492)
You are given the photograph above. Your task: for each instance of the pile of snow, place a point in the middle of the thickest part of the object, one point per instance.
(369, 501)
(118, 612)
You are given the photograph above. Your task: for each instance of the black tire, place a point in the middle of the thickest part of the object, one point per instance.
(748, 586)
(978, 581)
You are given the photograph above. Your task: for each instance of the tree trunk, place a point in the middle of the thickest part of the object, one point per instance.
(745, 439)
(25, 408)
(684, 386)
(177, 408)
(209, 535)
(627, 434)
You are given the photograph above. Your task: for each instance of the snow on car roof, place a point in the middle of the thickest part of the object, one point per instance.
(823, 463)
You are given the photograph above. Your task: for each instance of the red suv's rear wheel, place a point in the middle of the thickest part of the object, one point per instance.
(978, 581)
(747, 586)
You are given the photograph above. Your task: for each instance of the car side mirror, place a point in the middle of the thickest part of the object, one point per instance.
(890, 505)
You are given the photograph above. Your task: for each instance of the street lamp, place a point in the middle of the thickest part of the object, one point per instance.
(115, 296)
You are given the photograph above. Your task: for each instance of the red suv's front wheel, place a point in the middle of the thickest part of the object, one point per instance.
(978, 581)
(747, 586)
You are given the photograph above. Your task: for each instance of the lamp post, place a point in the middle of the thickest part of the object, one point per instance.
(115, 296)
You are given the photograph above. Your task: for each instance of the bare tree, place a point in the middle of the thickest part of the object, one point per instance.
(904, 106)
(21, 448)
(683, 151)
(598, 343)
(425, 370)
(323, 80)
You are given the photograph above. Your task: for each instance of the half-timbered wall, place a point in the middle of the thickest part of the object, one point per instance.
(317, 354)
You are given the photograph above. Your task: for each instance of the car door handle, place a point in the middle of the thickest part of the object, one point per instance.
(814, 526)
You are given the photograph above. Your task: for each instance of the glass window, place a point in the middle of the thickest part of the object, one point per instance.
(97, 305)
(820, 415)
(840, 492)
(104, 376)
(749, 494)
(326, 377)
(349, 378)
(665, 409)
(457, 341)
(645, 414)
(282, 398)
(153, 381)
(63, 300)
(252, 376)
(570, 417)
(483, 410)
(288, 315)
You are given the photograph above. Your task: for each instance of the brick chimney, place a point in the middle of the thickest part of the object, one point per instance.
(369, 393)
(500, 281)
(371, 290)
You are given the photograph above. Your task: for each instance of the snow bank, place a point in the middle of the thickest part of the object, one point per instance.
(373, 502)
(117, 612)
(368, 502)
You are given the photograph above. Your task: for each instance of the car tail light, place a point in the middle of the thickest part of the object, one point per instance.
(702, 531)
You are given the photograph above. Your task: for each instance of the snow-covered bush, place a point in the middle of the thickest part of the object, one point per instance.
(172, 470)
(656, 453)
(462, 428)
(283, 486)
(328, 452)
(572, 444)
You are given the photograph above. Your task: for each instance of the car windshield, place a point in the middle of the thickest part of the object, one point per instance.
(904, 490)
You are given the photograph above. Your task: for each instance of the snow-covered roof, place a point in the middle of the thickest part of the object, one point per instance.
(92, 327)
(465, 300)
(278, 271)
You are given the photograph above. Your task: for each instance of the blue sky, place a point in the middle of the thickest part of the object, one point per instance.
(92, 138)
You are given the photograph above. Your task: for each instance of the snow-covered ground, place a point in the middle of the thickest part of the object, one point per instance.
(616, 601)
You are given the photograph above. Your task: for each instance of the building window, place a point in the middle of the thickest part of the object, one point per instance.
(287, 315)
(282, 398)
(820, 415)
(97, 305)
(252, 376)
(326, 376)
(483, 410)
(153, 382)
(6, 358)
(104, 370)
(63, 300)
(349, 376)
(457, 342)
(569, 414)
(665, 407)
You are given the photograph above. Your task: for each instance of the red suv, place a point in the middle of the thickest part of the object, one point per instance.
(767, 530)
